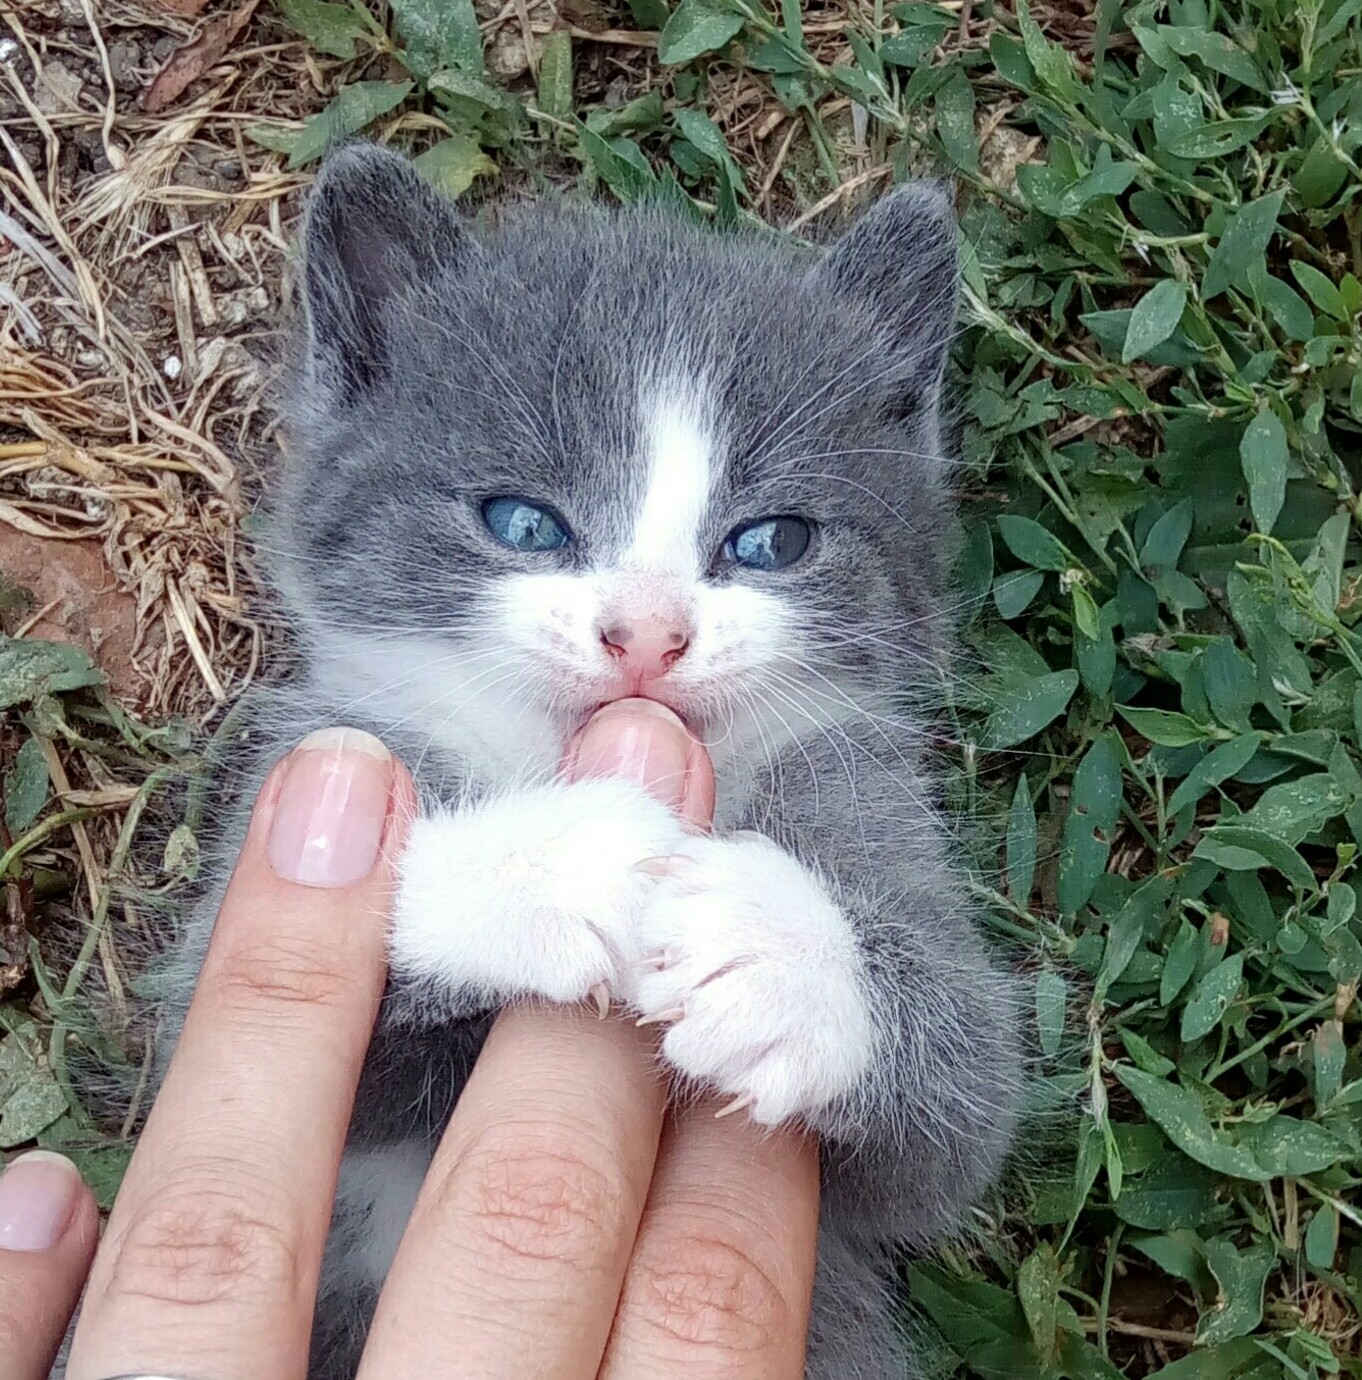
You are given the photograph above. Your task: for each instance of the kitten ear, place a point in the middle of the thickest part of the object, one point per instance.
(900, 260)
(375, 229)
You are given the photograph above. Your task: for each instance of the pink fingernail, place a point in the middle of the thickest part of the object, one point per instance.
(38, 1196)
(647, 748)
(328, 823)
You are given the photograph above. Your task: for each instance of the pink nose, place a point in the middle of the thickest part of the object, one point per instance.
(646, 647)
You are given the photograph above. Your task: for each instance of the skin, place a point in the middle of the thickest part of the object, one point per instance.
(567, 1229)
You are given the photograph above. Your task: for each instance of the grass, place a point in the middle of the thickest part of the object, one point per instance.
(1161, 402)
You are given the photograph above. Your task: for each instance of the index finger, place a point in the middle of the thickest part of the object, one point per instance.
(210, 1262)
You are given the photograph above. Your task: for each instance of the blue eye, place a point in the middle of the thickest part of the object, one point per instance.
(521, 524)
(770, 544)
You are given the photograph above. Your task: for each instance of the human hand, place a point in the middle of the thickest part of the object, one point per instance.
(562, 1231)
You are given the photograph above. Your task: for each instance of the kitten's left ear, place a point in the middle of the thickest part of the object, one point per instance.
(375, 230)
(900, 260)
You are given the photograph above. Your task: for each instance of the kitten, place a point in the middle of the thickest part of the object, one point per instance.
(593, 455)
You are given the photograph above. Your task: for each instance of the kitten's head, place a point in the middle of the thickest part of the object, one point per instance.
(590, 455)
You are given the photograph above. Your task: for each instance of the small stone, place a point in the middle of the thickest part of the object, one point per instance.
(171, 367)
(58, 90)
(124, 60)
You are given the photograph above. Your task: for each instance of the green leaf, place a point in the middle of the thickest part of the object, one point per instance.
(619, 163)
(1163, 546)
(555, 75)
(30, 1097)
(450, 82)
(1285, 1146)
(1211, 998)
(1246, 850)
(330, 29)
(357, 105)
(1087, 620)
(1242, 246)
(1263, 458)
(1038, 1289)
(1144, 1054)
(1240, 1275)
(649, 14)
(1021, 843)
(1329, 1054)
(1014, 589)
(1155, 317)
(1180, 964)
(1178, 1113)
(438, 34)
(1094, 807)
(695, 28)
(1217, 139)
(26, 787)
(1218, 765)
(1052, 996)
(709, 139)
(1231, 683)
(1321, 1237)
(452, 165)
(1022, 711)
(1320, 290)
(955, 121)
(1032, 544)
(1173, 1192)
(1294, 809)
(1163, 726)
(1219, 53)
(30, 669)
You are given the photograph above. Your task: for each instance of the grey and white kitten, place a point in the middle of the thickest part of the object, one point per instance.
(593, 455)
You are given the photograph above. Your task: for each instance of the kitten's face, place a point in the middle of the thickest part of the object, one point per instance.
(590, 458)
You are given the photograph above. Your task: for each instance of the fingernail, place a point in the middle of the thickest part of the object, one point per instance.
(646, 748)
(639, 705)
(328, 822)
(38, 1196)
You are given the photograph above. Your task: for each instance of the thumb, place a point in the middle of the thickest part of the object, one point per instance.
(642, 740)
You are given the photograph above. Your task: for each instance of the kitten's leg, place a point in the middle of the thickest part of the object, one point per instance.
(530, 893)
(854, 1331)
(375, 1194)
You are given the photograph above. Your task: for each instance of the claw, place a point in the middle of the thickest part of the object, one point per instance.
(737, 1105)
(662, 1017)
(600, 997)
(655, 964)
(663, 866)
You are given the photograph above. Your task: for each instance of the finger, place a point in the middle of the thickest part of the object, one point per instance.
(49, 1225)
(210, 1261)
(511, 1265)
(722, 1272)
(512, 1262)
(642, 740)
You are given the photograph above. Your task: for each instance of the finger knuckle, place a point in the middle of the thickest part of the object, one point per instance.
(199, 1249)
(704, 1291)
(548, 1206)
(282, 971)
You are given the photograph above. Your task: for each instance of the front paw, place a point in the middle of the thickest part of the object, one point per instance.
(532, 894)
(756, 973)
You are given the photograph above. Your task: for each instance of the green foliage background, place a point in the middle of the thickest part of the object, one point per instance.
(1161, 402)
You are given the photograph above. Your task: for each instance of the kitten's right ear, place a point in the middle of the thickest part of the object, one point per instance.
(374, 229)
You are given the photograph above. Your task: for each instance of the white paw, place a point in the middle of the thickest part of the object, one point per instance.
(534, 893)
(757, 976)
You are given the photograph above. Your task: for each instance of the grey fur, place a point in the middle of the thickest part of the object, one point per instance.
(438, 366)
